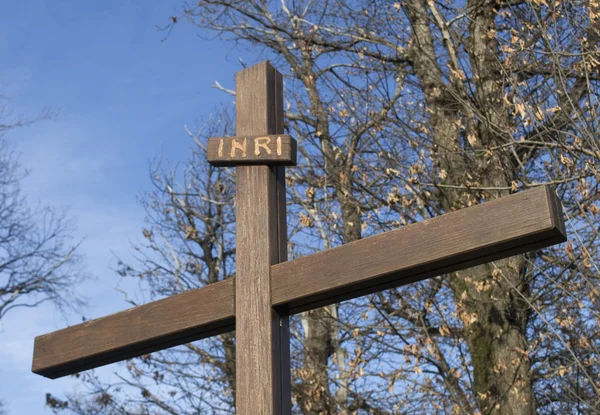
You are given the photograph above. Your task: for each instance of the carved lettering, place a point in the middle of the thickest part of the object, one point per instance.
(220, 152)
(262, 142)
(235, 145)
(267, 149)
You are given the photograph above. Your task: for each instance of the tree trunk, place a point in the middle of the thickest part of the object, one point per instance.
(490, 301)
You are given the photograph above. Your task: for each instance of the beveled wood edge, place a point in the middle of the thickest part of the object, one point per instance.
(550, 232)
(394, 280)
(52, 367)
(556, 211)
(128, 352)
(545, 237)
(263, 373)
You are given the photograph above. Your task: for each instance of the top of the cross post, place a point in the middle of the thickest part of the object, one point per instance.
(259, 136)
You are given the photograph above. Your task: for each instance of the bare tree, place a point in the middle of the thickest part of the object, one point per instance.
(404, 111)
(38, 261)
(189, 241)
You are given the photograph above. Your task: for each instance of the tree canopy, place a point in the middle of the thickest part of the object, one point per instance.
(403, 111)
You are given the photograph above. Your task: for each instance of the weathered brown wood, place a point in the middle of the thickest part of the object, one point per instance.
(497, 229)
(278, 149)
(504, 227)
(282, 373)
(262, 370)
(175, 320)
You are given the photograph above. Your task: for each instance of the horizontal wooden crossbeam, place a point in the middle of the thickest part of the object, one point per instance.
(497, 229)
(192, 315)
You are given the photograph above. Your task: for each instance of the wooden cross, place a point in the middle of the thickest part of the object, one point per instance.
(266, 289)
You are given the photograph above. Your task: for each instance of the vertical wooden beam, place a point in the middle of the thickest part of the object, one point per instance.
(262, 335)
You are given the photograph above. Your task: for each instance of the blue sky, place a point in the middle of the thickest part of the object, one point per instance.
(123, 97)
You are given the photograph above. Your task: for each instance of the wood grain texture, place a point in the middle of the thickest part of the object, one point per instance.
(282, 369)
(493, 230)
(169, 322)
(262, 336)
(497, 229)
(277, 149)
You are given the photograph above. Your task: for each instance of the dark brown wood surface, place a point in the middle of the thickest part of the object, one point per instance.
(262, 336)
(278, 149)
(169, 322)
(497, 229)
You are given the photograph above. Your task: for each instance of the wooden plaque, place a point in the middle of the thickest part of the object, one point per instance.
(277, 149)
